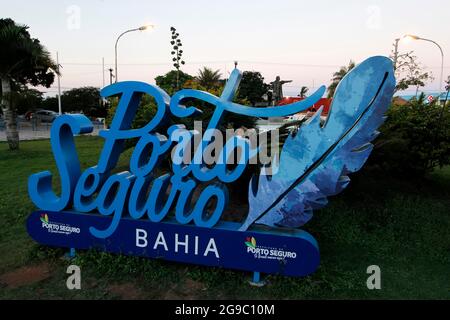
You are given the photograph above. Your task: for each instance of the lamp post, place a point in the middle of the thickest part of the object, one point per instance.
(59, 84)
(143, 28)
(414, 37)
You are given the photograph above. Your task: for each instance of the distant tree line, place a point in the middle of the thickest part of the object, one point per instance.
(86, 100)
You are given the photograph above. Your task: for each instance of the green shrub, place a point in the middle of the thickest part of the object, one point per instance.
(415, 138)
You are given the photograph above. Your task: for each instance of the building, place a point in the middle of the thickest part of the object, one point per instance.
(430, 96)
(323, 102)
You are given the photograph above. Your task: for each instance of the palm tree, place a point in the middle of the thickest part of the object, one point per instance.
(208, 78)
(337, 77)
(303, 92)
(23, 60)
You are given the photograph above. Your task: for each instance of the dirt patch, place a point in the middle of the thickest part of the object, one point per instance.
(193, 286)
(189, 290)
(126, 291)
(25, 276)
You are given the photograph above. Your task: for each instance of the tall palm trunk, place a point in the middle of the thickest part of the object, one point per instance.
(12, 135)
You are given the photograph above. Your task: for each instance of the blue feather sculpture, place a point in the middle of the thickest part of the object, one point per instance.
(314, 162)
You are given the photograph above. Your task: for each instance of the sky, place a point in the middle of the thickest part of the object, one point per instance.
(303, 41)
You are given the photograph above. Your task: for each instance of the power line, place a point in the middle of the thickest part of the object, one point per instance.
(141, 63)
(221, 62)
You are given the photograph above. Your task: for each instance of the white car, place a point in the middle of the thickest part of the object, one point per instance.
(45, 115)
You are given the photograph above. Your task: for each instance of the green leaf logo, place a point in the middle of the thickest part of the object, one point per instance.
(250, 242)
(44, 218)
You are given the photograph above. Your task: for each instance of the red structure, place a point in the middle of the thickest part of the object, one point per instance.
(325, 102)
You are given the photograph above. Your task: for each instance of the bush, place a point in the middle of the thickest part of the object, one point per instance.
(415, 138)
(168, 82)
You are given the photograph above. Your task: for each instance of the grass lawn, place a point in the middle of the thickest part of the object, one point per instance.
(401, 225)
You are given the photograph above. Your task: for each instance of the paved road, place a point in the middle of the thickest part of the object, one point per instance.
(27, 133)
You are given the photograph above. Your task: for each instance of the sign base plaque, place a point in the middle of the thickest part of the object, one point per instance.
(282, 251)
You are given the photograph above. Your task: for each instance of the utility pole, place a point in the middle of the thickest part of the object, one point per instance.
(111, 76)
(59, 84)
(103, 71)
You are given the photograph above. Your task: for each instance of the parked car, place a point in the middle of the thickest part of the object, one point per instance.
(45, 115)
(99, 121)
(28, 115)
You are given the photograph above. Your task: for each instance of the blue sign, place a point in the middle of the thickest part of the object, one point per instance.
(138, 213)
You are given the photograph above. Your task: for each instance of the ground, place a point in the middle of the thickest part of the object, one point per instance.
(399, 224)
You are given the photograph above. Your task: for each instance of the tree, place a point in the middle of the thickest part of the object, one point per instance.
(23, 60)
(28, 99)
(208, 78)
(252, 87)
(338, 76)
(303, 92)
(85, 99)
(409, 72)
(415, 138)
(177, 53)
(50, 103)
(168, 81)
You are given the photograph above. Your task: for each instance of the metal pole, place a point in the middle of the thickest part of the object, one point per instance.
(442, 62)
(59, 85)
(122, 34)
(256, 280)
(115, 51)
(103, 71)
(115, 54)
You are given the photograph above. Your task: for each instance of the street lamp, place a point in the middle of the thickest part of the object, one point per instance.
(143, 28)
(414, 37)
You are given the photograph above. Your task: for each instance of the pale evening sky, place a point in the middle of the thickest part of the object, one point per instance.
(303, 41)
